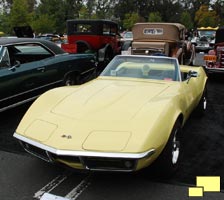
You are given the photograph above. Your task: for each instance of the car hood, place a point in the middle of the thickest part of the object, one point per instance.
(103, 115)
(109, 100)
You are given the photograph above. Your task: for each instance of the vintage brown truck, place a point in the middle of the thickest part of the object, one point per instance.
(168, 39)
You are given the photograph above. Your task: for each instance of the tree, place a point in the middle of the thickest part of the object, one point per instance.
(5, 24)
(124, 7)
(55, 11)
(130, 20)
(206, 17)
(90, 4)
(155, 17)
(104, 9)
(43, 24)
(19, 15)
(186, 20)
(72, 8)
(218, 6)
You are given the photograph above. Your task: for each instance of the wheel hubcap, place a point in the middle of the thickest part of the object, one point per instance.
(204, 103)
(68, 83)
(176, 150)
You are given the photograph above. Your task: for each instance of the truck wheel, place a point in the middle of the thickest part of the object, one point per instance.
(82, 46)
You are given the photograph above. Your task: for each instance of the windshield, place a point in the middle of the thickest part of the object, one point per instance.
(207, 33)
(144, 67)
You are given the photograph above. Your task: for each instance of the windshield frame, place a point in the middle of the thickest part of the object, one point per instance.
(142, 67)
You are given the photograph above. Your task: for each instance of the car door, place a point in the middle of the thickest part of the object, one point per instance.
(40, 67)
(23, 74)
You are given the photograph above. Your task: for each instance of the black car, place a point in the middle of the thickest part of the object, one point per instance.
(29, 67)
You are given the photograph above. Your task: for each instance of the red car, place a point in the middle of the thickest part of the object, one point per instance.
(96, 36)
(215, 58)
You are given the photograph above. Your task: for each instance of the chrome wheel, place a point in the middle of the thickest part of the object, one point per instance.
(202, 106)
(169, 159)
(72, 79)
(68, 82)
(204, 103)
(175, 149)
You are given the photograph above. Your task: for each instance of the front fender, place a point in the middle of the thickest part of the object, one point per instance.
(45, 103)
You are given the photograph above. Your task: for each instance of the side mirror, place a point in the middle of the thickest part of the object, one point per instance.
(191, 74)
(15, 65)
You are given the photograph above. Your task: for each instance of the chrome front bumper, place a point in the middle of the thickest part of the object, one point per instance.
(90, 160)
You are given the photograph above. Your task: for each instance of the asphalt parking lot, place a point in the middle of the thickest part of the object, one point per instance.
(23, 177)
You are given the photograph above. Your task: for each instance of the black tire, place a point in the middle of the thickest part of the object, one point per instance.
(82, 46)
(168, 161)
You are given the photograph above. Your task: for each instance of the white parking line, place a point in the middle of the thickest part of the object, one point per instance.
(50, 186)
(74, 193)
(44, 194)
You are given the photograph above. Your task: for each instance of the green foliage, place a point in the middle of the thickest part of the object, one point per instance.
(19, 15)
(186, 20)
(43, 24)
(218, 6)
(4, 25)
(130, 20)
(155, 17)
(55, 10)
(51, 15)
(205, 17)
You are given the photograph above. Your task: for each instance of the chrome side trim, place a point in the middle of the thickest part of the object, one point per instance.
(85, 153)
(91, 69)
(18, 103)
(28, 91)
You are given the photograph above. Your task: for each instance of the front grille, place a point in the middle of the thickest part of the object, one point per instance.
(90, 163)
(69, 159)
(110, 164)
(36, 151)
(146, 51)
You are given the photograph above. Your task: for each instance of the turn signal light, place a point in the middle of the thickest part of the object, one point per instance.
(210, 58)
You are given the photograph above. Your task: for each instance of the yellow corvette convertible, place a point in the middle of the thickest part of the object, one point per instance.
(126, 119)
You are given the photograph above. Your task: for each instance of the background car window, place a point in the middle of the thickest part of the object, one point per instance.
(113, 30)
(32, 49)
(4, 58)
(106, 29)
(26, 53)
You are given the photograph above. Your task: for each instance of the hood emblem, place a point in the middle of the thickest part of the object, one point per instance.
(66, 136)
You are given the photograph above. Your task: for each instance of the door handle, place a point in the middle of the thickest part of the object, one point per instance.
(42, 69)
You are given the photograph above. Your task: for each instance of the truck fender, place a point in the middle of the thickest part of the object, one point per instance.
(82, 46)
